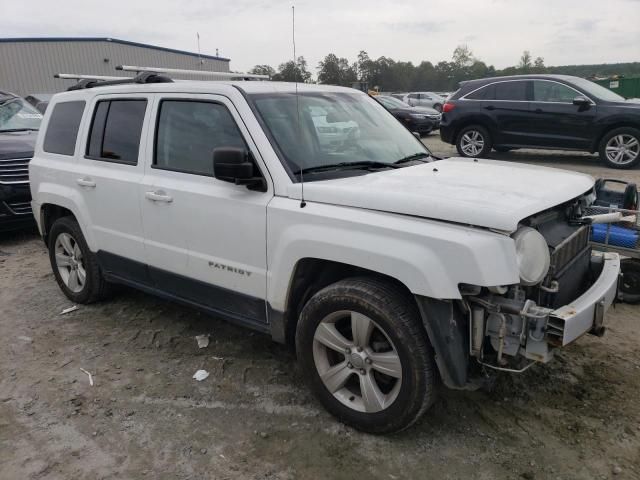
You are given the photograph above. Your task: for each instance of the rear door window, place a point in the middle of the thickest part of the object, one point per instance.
(116, 129)
(513, 91)
(62, 130)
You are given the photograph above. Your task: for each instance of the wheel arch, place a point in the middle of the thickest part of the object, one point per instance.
(479, 120)
(595, 146)
(52, 201)
(310, 275)
(52, 211)
(442, 320)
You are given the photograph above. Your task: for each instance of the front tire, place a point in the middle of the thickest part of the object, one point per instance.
(473, 141)
(620, 148)
(361, 345)
(75, 267)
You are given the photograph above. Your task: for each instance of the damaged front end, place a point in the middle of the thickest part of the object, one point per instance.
(564, 292)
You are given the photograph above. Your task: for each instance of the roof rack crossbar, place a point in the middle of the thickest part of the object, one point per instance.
(90, 81)
(81, 76)
(180, 71)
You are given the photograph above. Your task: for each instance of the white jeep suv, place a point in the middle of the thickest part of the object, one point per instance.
(384, 267)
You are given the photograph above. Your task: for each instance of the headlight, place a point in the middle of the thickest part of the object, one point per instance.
(532, 253)
(417, 115)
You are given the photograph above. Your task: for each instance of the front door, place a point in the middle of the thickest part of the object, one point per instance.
(556, 121)
(204, 238)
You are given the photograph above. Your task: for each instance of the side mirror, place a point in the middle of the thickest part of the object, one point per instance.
(581, 101)
(235, 165)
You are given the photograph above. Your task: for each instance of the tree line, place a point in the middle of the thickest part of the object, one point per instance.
(387, 74)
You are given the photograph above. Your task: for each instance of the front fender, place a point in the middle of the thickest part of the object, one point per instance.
(430, 258)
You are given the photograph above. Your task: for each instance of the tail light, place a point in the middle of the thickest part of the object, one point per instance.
(447, 107)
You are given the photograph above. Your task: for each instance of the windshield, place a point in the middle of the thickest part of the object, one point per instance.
(391, 102)
(17, 114)
(334, 128)
(597, 91)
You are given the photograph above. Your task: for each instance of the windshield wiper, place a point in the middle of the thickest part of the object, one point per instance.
(18, 130)
(346, 165)
(415, 156)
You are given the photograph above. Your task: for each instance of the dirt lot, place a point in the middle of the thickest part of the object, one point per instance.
(145, 417)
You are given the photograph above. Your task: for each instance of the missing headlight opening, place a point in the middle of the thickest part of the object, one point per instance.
(514, 326)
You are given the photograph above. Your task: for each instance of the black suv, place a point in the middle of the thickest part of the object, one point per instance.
(542, 111)
(19, 123)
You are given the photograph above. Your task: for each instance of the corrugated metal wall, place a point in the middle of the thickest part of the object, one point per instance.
(28, 67)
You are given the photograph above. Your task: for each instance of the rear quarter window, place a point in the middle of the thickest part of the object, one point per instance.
(480, 94)
(62, 130)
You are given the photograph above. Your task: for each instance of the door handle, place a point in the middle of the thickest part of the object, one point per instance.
(538, 110)
(490, 107)
(86, 182)
(158, 196)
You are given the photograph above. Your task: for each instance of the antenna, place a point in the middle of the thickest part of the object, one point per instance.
(199, 56)
(295, 79)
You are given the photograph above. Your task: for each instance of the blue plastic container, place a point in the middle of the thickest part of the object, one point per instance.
(618, 236)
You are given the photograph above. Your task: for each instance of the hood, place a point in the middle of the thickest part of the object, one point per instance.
(17, 144)
(484, 193)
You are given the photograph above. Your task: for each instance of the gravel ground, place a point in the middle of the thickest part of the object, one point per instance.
(145, 417)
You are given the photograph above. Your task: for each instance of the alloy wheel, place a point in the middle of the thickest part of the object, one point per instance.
(472, 143)
(622, 149)
(357, 362)
(69, 262)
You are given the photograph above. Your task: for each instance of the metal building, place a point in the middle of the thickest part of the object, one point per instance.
(27, 65)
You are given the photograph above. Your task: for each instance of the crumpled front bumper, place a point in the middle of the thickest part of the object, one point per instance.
(586, 313)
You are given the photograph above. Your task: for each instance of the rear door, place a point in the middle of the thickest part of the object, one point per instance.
(204, 238)
(556, 121)
(507, 103)
(110, 172)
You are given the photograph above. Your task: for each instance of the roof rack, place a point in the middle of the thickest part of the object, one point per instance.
(146, 75)
(90, 81)
(180, 71)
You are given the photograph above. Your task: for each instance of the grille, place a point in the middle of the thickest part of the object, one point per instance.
(569, 249)
(20, 208)
(14, 170)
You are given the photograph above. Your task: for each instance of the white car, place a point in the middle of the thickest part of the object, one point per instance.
(424, 99)
(383, 267)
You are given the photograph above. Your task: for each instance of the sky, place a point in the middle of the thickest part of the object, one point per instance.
(251, 32)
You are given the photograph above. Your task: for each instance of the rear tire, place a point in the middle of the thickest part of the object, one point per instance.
(620, 148)
(473, 141)
(343, 365)
(75, 266)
